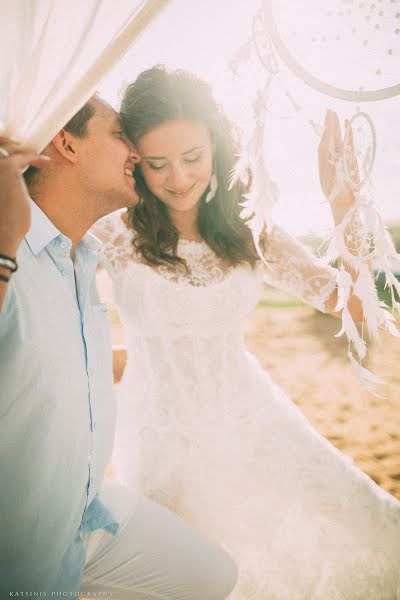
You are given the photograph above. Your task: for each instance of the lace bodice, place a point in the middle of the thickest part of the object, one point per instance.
(289, 265)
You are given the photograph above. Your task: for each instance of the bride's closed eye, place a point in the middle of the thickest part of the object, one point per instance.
(155, 167)
(193, 159)
(187, 160)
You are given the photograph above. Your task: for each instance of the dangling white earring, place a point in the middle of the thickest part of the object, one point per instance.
(213, 188)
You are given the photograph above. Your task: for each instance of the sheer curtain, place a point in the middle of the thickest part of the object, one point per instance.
(53, 53)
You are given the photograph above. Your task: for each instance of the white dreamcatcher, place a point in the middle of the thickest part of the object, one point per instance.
(361, 240)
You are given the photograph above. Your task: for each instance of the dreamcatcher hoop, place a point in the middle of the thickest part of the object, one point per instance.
(308, 78)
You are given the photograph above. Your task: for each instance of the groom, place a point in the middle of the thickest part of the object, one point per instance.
(63, 528)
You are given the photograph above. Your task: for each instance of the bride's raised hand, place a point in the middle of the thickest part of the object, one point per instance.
(331, 155)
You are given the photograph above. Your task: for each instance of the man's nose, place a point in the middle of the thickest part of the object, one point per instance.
(134, 154)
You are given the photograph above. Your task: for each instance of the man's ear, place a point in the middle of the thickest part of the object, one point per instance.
(66, 145)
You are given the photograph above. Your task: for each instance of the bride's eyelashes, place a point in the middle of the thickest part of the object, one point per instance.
(159, 167)
(154, 167)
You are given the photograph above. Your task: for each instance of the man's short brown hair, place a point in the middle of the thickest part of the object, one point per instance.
(77, 125)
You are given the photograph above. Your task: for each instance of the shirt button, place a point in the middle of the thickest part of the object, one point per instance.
(63, 245)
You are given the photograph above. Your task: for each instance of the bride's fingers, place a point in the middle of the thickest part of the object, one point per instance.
(335, 132)
(326, 156)
(331, 143)
(323, 146)
(351, 160)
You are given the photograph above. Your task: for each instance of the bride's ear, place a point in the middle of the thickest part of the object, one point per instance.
(66, 145)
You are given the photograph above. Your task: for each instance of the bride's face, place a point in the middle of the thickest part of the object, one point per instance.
(177, 162)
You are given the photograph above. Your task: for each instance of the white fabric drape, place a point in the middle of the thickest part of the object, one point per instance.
(53, 53)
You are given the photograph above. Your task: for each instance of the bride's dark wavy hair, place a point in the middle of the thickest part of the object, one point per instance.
(159, 95)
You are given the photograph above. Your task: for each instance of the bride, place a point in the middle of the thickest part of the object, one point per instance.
(202, 428)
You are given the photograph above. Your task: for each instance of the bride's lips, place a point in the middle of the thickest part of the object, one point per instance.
(181, 195)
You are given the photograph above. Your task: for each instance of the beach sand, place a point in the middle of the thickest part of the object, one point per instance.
(297, 346)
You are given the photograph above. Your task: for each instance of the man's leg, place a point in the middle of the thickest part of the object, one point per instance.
(154, 555)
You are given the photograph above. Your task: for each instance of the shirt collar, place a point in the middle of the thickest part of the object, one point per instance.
(91, 242)
(42, 231)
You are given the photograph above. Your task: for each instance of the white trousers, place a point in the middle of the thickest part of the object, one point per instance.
(154, 555)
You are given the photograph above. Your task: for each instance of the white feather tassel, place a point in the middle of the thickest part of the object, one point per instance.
(370, 381)
(349, 328)
(365, 290)
(387, 321)
(345, 283)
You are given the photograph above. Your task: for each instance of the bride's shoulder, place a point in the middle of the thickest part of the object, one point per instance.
(116, 235)
(112, 227)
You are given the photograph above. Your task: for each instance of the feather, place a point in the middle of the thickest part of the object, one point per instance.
(370, 381)
(396, 305)
(345, 283)
(387, 320)
(238, 171)
(365, 290)
(349, 328)
(332, 253)
(392, 281)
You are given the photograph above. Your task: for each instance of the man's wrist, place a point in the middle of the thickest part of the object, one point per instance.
(5, 276)
(8, 264)
(8, 248)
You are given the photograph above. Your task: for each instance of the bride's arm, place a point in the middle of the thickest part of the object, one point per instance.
(291, 266)
(341, 200)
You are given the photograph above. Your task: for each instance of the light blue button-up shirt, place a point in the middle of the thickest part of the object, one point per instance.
(57, 413)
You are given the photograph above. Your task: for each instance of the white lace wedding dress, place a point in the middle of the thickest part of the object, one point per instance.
(203, 429)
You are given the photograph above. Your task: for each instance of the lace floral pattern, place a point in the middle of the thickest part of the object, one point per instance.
(293, 268)
(203, 430)
(204, 268)
(289, 265)
(117, 247)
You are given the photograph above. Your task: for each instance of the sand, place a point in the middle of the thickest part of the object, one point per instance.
(297, 346)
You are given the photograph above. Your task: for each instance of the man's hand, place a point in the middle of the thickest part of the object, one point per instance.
(14, 197)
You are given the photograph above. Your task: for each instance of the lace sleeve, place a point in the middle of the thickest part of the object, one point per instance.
(117, 248)
(293, 268)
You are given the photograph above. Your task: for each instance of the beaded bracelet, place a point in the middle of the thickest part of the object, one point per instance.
(8, 263)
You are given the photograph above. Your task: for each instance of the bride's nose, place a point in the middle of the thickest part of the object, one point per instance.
(178, 178)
